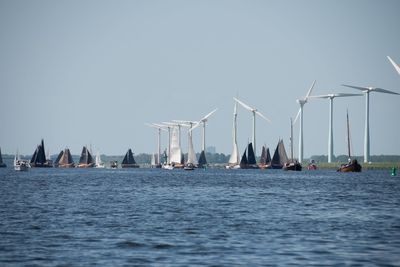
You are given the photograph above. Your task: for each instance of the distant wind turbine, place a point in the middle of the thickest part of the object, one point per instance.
(159, 128)
(203, 121)
(331, 97)
(300, 113)
(366, 91)
(396, 66)
(254, 111)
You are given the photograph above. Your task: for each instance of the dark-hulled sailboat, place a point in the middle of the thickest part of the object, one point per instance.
(292, 165)
(280, 157)
(249, 161)
(86, 159)
(202, 160)
(2, 164)
(38, 159)
(352, 165)
(265, 159)
(64, 160)
(129, 160)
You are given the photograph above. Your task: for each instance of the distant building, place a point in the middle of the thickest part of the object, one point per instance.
(211, 149)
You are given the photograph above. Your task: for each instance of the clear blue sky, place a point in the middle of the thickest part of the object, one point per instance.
(94, 72)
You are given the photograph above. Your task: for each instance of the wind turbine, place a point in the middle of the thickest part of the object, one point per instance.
(159, 127)
(254, 111)
(366, 91)
(203, 121)
(300, 113)
(396, 66)
(330, 139)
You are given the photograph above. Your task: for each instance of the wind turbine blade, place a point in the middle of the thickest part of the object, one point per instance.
(243, 104)
(182, 121)
(297, 116)
(320, 96)
(357, 87)
(346, 95)
(380, 90)
(208, 115)
(397, 67)
(309, 91)
(262, 116)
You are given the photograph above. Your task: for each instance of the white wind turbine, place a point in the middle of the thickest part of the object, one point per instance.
(203, 121)
(254, 111)
(300, 113)
(159, 127)
(396, 66)
(366, 91)
(330, 139)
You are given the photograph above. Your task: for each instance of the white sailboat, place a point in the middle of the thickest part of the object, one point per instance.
(234, 162)
(98, 163)
(192, 160)
(176, 152)
(20, 165)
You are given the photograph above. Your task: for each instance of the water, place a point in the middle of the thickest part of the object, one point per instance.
(214, 217)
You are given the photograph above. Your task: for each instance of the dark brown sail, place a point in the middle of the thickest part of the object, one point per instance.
(2, 164)
(129, 160)
(39, 158)
(86, 159)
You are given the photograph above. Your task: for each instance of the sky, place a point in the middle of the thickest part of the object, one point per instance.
(94, 72)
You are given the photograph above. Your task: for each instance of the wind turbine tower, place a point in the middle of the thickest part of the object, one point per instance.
(302, 102)
(367, 91)
(330, 138)
(254, 111)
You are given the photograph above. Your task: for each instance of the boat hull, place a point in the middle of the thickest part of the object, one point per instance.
(3, 165)
(292, 167)
(70, 165)
(129, 166)
(90, 165)
(352, 167)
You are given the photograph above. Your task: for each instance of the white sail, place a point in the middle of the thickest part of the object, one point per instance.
(175, 146)
(191, 154)
(153, 160)
(234, 159)
(98, 162)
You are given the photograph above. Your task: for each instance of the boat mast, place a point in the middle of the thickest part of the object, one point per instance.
(348, 134)
(291, 139)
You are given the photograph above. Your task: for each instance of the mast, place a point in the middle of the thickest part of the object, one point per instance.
(291, 139)
(348, 135)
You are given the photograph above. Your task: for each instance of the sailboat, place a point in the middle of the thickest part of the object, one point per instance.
(39, 158)
(191, 158)
(249, 161)
(265, 159)
(2, 164)
(352, 165)
(129, 160)
(176, 152)
(234, 162)
(280, 157)
(20, 165)
(202, 160)
(64, 159)
(86, 159)
(98, 163)
(292, 165)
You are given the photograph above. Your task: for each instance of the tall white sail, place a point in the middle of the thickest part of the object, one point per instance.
(191, 154)
(234, 159)
(175, 146)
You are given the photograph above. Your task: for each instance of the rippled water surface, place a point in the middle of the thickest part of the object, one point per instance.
(213, 217)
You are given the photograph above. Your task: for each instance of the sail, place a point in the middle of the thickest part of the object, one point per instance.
(251, 158)
(98, 159)
(66, 158)
(176, 152)
(234, 158)
(268, 157)
(280, 156)
(129, 159)
(243, 161)
(59, 158)
(153, 160)
(86, 157)
(263, 157)
(202, 159)
(39, 157)
(191, 154)
(1, 158)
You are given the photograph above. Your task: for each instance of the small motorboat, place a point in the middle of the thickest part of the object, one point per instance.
(114, 164)
(189, 167)
(312, 166)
